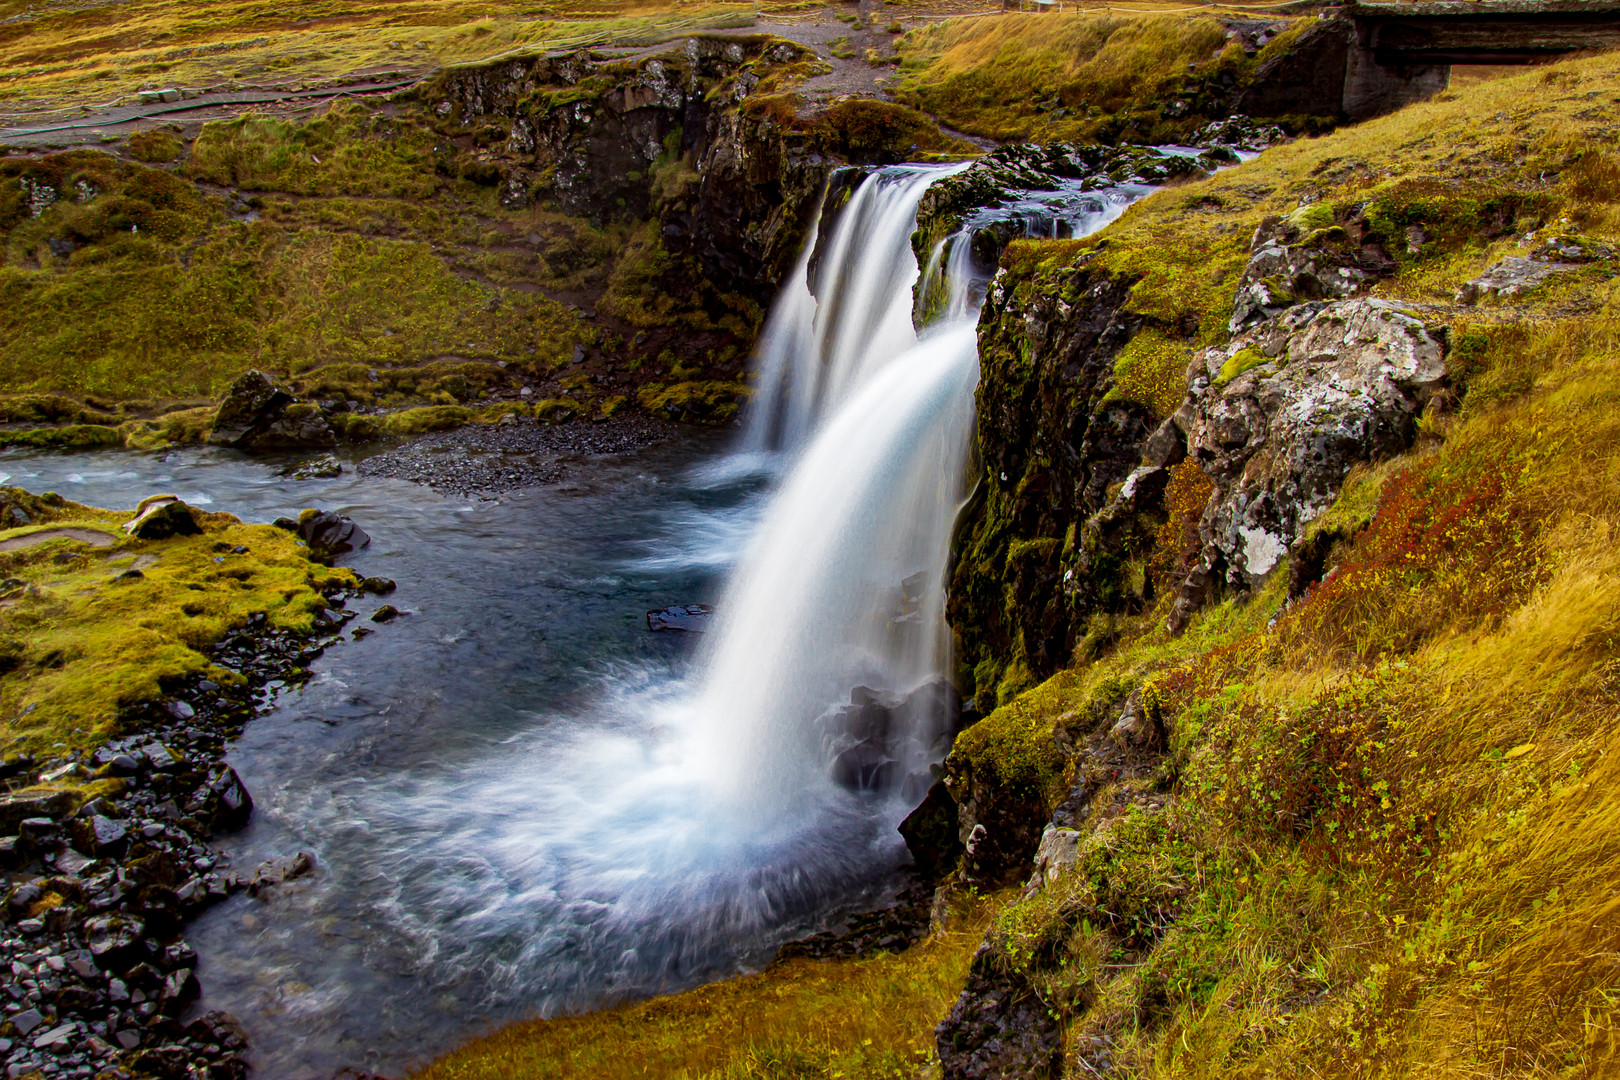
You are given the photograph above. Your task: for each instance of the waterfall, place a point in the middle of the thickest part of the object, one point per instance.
(841, 590)
(686, 814)
(826, 335)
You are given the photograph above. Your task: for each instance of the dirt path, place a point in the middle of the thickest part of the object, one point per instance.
(213, 105)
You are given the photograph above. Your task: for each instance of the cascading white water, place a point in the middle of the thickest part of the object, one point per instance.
(822, 341)
(842, 584)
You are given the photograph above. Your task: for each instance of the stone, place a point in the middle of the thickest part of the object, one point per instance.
(56, 1037)
(261, 413)
(324, 467)
(330, 535)
(931, 833)
(219, 1028)
(100, 836)
(385, 614)
(160, 517)
(999, 1028)
(690, 618)
(17, 806)
(223, 803)
(1056, 854)
(1513, 276)
(27, 1021)
(866, 766)
(377, 586)
(181, 710)
(114, 940)
(1276, 418)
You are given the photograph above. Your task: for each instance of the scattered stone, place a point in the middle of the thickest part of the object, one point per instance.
(386, 613)
(330, 535)
(324, 467)
(377, 586)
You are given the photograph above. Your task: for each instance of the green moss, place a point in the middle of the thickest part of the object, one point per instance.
(703, 401)
(72, 437)
(1243, 360)
(1014, 744)
(93, 642)
(155, 146)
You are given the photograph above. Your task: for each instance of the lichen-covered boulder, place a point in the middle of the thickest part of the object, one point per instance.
(1308, 255)
(1277, 417)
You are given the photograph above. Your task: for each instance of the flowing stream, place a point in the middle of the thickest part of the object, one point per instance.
(524, 803)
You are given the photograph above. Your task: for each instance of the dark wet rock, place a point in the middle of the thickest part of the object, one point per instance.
(16, 806)
(223, 804)
(261, 413)
(162, 517)
(932, 834)
(866, 766)
(893, 926)
(692, 618)
(377, 586)
(330, 535)
(276, 872)
(385, 614)
(115, 940)
(98, 836)
(999, 1028)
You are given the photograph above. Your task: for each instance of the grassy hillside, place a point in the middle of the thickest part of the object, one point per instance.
(1382, 837)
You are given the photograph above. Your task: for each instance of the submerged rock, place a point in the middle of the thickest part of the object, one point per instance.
(691, 618)
(324, 467)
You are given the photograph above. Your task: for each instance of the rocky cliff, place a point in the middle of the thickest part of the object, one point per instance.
(1278, 509)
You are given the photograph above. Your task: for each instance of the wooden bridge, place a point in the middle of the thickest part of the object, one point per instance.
(1371, 58)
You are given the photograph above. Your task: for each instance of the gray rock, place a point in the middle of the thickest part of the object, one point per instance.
(261, 413)
(20, 805)
(1513, 276)
(27, 1021)
(1276, 419)
(160, 517)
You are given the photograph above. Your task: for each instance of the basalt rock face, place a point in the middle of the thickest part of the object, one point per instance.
(1051, 444)
(1313, 378)
(675, 137)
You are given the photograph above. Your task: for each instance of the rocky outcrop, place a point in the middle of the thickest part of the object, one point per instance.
(676, 137)
(1519, 274)
(1052, 444)
(1276, 418)
(999, 1028)
(261, 413)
